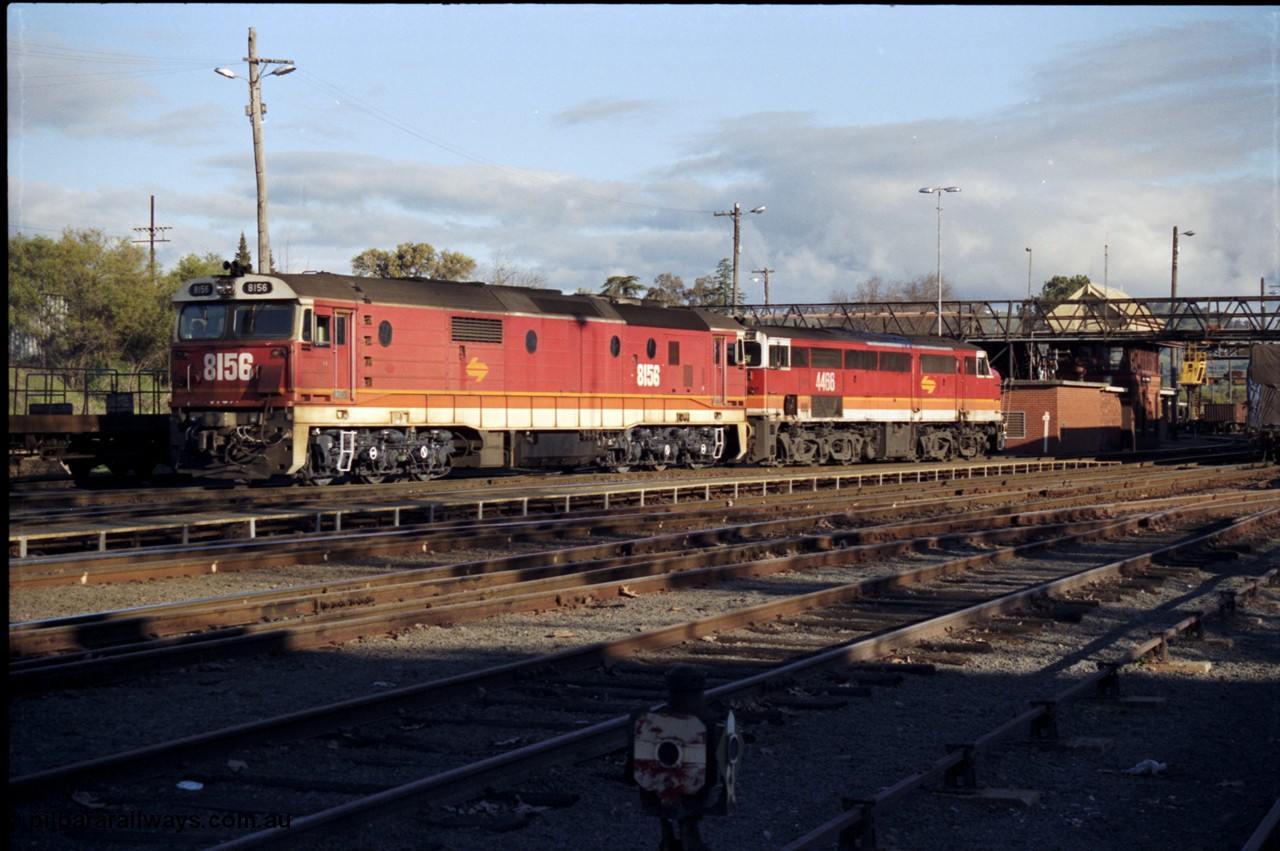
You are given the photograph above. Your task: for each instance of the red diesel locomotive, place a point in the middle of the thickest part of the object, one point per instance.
(817, 396)
(317, 377)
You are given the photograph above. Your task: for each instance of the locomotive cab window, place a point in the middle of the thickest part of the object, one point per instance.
(262, 320)
(751, 353)
(780, 355)
(202, 322)
(983, 365)
(323, 330)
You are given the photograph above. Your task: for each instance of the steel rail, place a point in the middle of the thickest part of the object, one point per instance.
(862, 812)
(608, 736)
(566, 498)
(166, 562)
(387, 704)
(102, 629)
(637, 574)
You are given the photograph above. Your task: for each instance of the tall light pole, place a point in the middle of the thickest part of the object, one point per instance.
(1173, 361)
(1173, 277)
(255, 111)
(938, 190)
(1028, 274)
(736, 212)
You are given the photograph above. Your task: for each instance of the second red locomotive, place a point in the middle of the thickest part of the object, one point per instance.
(318, 377)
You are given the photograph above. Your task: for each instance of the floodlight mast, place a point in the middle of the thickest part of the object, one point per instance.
(938, 190)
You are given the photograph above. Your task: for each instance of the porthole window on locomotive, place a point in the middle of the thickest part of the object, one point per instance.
(651, 348)
(615, 346)
(384, 333)
(531, 342)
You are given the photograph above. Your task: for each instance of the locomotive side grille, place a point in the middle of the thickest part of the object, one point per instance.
(469, 330)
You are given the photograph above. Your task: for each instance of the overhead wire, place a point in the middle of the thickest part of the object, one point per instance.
(116, 65)
(355, 102)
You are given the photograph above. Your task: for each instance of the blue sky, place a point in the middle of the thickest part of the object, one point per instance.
(579, 142)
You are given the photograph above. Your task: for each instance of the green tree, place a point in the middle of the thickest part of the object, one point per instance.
(622, 286)
(413, 260)
(1060, 288)
(194, 266)
(86, 302)
(668, 289)
(715, 289)
(243, 258)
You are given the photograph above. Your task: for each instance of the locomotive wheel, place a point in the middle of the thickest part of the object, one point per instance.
(428, 475)
(308, 477)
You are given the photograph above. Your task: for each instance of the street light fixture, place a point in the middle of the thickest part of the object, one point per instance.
(1028, 274)
(736, 212)
(255, 111)
(938, 190)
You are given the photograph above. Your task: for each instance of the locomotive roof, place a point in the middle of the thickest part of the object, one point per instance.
(483, 298)
(843, 335)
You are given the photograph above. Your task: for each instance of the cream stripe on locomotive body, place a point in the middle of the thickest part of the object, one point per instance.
(818, 395)
(318, 376)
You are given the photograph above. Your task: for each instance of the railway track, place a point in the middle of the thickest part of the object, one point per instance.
(42, 525)
(743, 656)
(436, 752)
(91, 552)
(111, 645)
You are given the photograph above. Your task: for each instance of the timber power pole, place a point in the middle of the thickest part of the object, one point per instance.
(765, 271)
(154, 234)
(255, 111)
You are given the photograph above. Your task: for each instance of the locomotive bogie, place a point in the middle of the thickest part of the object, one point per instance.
(233, 444)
